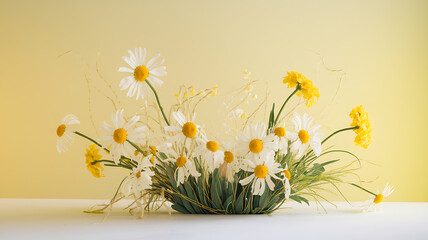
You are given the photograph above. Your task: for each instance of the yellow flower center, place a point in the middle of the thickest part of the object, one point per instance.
(60, 130)
(141, 73)
(261, 171)
(287, 174)
(189, 130)
(378, 199)
(228, 156)
(138, 174)
(181, 161)
(304, 136)
(256, 146)
(120, 135)
(280, 132)
(212, 146)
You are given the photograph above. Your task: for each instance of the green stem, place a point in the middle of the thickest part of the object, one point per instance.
(285, 102)
(97, 161)
(157, 99)
(372, 193)
(119, 165)
(90, 139)
(135, 146)
(338, 131)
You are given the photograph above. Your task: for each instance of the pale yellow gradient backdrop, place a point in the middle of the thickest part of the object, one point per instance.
(382, 46)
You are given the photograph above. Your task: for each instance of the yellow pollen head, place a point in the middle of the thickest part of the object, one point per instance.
(304, 136)
(181, 161)
(256, 146)
(212, 146)
(153, 150)
(60, 130)
(189, 130)
(378, 199)
(141, 73)
(138, 174)
(287, 174)
(120, 135)
(280, 132)
(152, 159)
(228, 156)
(136, 152)
(261, 171)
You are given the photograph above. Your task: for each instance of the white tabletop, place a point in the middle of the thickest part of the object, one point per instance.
(64, 219)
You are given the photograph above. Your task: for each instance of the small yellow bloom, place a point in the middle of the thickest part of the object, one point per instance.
(92, 155)
(192, 92)
(360, 119)
(176, 95)
(307, 90)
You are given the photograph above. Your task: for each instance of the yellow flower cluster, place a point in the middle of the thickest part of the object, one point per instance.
(307, 89)
(92, 155)
(360, 119)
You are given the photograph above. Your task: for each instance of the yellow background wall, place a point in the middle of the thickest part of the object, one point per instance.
(382, 46)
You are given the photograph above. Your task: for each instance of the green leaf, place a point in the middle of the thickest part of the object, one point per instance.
(299, 199)
(179, 208)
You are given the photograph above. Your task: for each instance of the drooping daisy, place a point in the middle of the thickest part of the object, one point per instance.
(65, 132)
(280, 133)
(139, 180)
(143, 72)
(91, 157)
(211, 156)
(119, 133)
(286, 176)
(304, 135)
(373, 204)
(186, 128)
(256, 143)
(185, 167)
(263, 169)
(360, 119)
(231, 164)
(307, 90)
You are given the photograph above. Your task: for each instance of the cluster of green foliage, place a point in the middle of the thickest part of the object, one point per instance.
(214, 194)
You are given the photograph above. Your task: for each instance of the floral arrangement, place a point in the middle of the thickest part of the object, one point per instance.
(263, 165)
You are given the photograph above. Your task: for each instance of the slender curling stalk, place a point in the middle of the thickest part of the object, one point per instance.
(298, 88)
(338, 131)
(157, 99)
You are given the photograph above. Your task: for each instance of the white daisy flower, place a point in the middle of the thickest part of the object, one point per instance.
(140, 178)
(280, 133)
(142, 71)
(263, 170)
(186, 128)
(256, 143)
(211, 156)
(373, 204)
(119, 133)
(304, 135)
(286, 176)
(65, 132)
(185, 167)
(231, 164)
